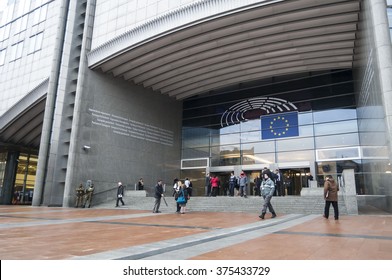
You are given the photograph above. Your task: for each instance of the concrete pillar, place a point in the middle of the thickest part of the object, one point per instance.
(46, 135)
(383, 51)
(383, 48)
(348, 190)
(75, 146)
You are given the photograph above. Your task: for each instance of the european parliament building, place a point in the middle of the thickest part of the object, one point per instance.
(125, 89)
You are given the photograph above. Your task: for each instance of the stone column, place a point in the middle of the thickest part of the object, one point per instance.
(348, 192)
(383, 51)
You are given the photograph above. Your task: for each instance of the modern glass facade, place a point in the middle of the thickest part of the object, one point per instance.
(328, 140)
(27, 31)
(25, 179)
(189, 52)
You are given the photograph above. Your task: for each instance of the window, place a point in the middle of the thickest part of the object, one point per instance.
(5, 32)
(338, 154)
(39, 15)
(23, 8)
(20, 24)
(2, 56)
(16, 51)
(35, 42)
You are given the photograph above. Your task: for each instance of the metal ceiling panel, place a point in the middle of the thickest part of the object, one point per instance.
(246, 43)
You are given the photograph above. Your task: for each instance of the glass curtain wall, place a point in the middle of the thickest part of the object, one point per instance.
(376, 168)
(328, 135)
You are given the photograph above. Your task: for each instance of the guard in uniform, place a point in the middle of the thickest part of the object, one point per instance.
(89, 196)
(79, 195)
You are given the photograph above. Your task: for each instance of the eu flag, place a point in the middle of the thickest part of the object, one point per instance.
(279, 125)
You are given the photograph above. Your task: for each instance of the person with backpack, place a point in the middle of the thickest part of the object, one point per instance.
(183, 197)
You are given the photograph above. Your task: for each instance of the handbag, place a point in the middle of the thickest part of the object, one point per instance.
(181, 199)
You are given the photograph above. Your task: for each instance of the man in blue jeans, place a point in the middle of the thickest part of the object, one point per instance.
(243, 182)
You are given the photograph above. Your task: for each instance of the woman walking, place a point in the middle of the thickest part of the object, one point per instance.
(331, 197)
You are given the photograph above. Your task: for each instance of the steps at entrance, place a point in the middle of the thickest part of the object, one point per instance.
(283, 205)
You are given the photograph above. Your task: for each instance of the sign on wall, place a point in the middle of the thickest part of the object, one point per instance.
(127, 127)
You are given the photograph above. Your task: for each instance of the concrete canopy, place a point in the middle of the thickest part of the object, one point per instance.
(21, 125)
(236, 45)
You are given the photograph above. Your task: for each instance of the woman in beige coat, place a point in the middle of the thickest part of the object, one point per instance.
(331, 196)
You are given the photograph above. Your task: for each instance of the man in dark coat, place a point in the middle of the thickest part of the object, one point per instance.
(158, 196)
(120, 194)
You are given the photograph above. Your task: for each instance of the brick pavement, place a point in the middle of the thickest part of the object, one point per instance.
(44, 233)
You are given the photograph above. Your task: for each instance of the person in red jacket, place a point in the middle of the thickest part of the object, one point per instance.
(214, 185)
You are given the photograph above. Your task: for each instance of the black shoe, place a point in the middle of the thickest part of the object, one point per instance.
(325, 217)
(262, 216)
(273, 215)
(116, 205)
(336, 218)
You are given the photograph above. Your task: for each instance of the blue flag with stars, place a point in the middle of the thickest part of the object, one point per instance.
(279, 125)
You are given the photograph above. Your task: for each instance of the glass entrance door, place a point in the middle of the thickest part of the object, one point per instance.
(294, 179)
(23, 190)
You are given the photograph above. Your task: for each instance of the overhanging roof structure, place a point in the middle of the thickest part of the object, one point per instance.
(218, 43)
(22, 124)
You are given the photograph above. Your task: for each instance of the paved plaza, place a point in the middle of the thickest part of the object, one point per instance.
(51, 233)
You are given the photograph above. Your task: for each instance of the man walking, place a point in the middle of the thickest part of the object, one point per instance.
(120, 194)
(158, 196)
(267, 191)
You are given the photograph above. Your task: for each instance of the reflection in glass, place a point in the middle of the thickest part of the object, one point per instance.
(258, 158)
(295, 156)
(341, 140)
(294, 144)
(336, 127)
(336, 154)
(260, 147)
(251, 125)
(305, 118)
(306, 130)
(253, 136)
(334, 115)
(198, 152)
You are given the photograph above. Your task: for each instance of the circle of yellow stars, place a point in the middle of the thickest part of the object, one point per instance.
(283, 129)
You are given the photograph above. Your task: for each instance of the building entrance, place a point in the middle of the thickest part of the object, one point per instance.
(224, 178)
(294, 179)
(23, 189)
